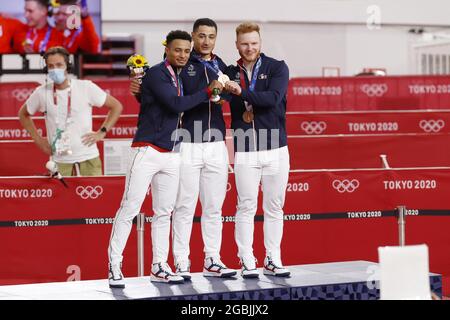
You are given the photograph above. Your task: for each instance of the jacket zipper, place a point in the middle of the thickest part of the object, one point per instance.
(176, 130)
(253, 121)
(209, 111)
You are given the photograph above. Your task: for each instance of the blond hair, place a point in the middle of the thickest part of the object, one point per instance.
(247, 27)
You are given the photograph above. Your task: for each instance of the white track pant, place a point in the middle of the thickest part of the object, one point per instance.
(161, 170)
(204, 173)
(271, 168)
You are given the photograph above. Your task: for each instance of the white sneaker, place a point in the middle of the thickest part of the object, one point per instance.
(215, 268)
(275, 268)
(161, 272)
(182, 269)
(248, 269)
(115, 276)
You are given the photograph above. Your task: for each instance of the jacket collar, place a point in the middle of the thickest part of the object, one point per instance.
(195, 56)
(166, 70)
(240, 62)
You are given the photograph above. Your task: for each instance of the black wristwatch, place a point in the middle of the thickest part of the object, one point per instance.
(103, 129)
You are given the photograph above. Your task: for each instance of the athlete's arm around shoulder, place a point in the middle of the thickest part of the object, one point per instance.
(158, 83)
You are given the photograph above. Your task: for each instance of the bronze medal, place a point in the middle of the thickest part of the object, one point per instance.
(248, 116)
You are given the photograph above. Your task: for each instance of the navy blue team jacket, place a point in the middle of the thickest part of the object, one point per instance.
(161, 107)
(269, 106)
(209, 117)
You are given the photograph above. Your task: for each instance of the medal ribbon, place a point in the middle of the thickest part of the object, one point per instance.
(43, 45)
(255, 72)
(72, 39)
(175, 79)
(214, 68)
(28, 37)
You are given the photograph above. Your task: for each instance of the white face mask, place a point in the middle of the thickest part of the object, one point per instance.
(57, 75)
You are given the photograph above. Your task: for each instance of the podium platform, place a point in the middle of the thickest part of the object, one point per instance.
(353, 280)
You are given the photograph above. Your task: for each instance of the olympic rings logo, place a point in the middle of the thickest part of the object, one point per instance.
(375, 89)
(313, 127)
(431, 125)
(345, 185)
(89, 192)
(21, 94)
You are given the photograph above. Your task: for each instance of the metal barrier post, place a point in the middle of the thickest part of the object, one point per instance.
(401, 225)
(140, 243)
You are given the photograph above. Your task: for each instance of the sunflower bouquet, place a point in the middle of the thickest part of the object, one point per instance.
(54, 6)
(137, 64)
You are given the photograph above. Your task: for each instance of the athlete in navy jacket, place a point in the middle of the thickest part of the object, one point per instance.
(268, 99)
(258, 108)
(197, 74)
(153, 160)
(204, 165)
(161, 106)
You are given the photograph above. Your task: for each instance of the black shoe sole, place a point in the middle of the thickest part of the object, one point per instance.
(283, 275)
(228, 275)
(117, 286)
(175, 282)
(251, 276)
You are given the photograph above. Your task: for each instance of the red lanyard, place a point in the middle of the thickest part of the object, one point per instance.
(69, 100)
(241, 74)
(242, 78)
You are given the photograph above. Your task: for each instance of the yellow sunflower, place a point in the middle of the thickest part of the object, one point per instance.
(137, 61)
(55, 3)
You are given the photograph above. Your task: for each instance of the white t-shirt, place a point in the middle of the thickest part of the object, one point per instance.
(84, 95)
